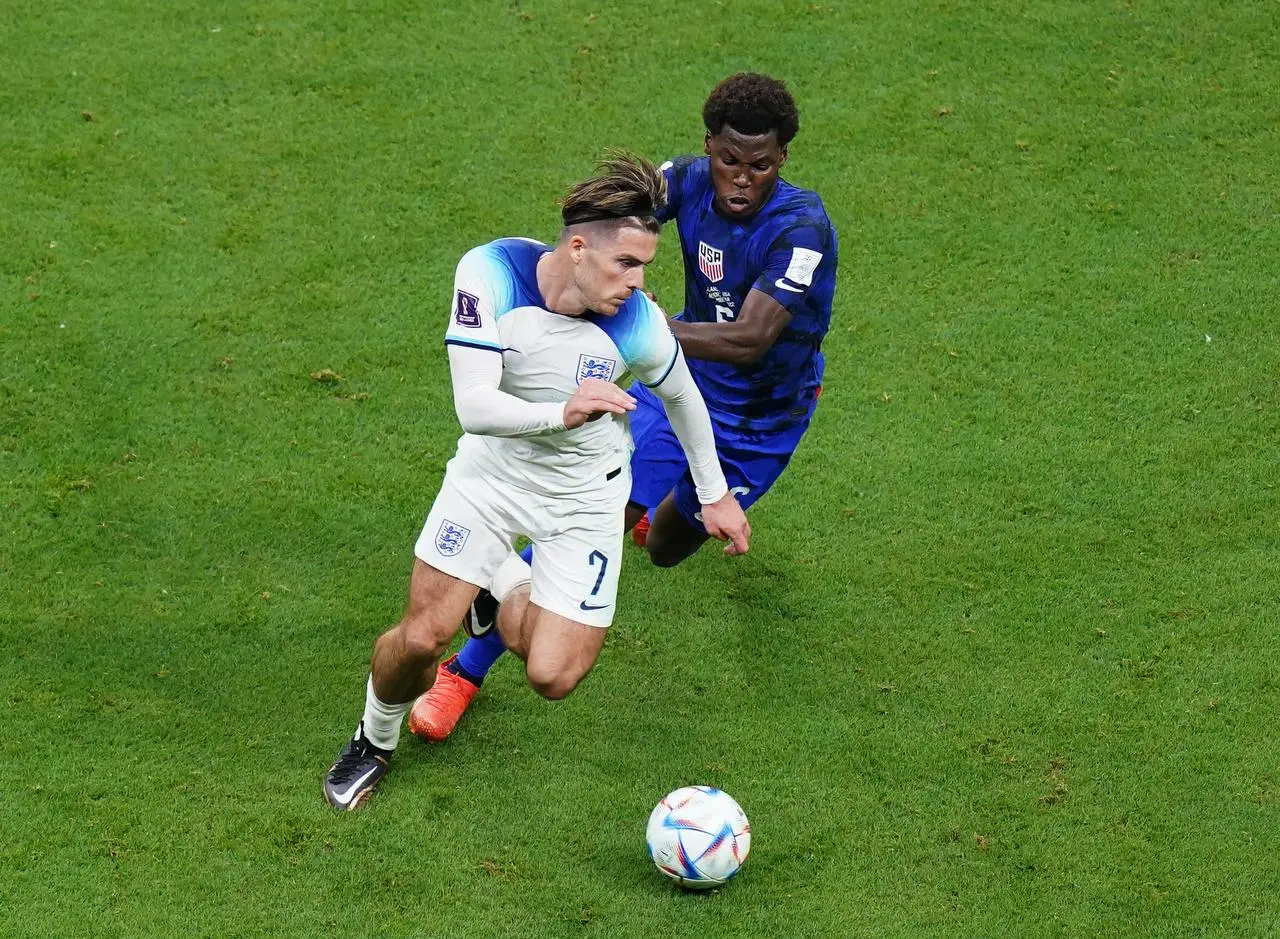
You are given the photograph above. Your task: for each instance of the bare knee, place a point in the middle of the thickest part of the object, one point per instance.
(668, 552)
(671, 539)
(421, 638)
(664, 558)
(554, 685)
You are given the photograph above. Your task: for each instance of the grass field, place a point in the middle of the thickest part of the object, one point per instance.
(1003, 660)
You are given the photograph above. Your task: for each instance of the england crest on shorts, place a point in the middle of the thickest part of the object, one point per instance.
(711, 262)
(596, 366)
(451, 538)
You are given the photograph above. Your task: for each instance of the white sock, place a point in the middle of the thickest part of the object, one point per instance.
(513, 572)
(381, 720)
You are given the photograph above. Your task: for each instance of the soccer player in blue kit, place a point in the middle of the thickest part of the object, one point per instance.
(760, 269)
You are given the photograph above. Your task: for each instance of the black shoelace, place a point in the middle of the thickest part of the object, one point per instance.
(352, 760)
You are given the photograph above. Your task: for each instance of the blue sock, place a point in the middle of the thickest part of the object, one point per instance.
(477, 656)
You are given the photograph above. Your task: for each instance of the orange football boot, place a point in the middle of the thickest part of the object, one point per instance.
(436, 713)
(640, 532)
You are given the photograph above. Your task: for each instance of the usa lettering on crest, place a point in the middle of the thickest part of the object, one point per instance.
(451, 538)
(596, 366)
(711, 262)
(466, 311)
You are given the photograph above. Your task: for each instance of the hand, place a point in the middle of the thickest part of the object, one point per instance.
(593, 398)
(726, 521)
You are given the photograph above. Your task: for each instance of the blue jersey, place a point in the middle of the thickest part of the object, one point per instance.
(786, 250)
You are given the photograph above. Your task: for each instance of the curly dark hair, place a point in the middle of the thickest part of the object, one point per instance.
(752, 104)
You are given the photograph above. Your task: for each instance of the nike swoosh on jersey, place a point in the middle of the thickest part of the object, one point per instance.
(588, 607)
(779, 283)
(345, 797)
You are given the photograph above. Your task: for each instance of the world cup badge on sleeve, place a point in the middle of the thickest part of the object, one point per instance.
(711, 262)
(596, 366)
(466, 311)
(451, 538)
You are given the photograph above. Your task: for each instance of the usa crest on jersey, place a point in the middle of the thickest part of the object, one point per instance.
(710, 262)
(596, 366)
(451, 538)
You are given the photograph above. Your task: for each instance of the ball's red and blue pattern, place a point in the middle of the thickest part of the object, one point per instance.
(698, 836)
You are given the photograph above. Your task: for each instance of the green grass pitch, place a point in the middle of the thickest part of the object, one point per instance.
(1003, 660)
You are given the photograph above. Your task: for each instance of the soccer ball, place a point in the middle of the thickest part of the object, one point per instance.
(698, 836)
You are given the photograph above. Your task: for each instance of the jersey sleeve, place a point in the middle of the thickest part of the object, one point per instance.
(483, 290)
(644, 339)
(484, 408)
(793, 259)
(687, 412)
(679, 173)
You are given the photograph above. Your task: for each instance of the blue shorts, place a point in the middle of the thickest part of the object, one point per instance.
(752, 462)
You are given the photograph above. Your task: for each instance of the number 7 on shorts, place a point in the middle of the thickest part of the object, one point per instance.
(604, 566)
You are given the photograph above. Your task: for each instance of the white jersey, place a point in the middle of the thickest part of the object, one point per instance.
(498, 308)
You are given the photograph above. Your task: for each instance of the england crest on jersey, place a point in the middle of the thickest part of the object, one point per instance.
(451, 538)
(596, 366)
(711, 262)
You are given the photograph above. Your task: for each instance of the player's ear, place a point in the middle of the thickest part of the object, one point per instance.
(706, 144)
(783, 158)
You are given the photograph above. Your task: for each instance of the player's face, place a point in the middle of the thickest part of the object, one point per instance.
(744, 169)
(610, 265)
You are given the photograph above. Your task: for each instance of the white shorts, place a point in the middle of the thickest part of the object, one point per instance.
(577, 540)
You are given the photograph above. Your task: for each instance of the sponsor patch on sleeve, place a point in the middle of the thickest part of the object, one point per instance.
(466, 310)
(804, 261)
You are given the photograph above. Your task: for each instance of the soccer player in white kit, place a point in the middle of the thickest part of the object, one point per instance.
(537, 338)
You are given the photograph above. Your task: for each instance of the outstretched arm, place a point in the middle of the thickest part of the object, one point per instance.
(722, 517)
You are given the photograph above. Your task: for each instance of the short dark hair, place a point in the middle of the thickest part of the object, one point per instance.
(752, 104)
(625, 187)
